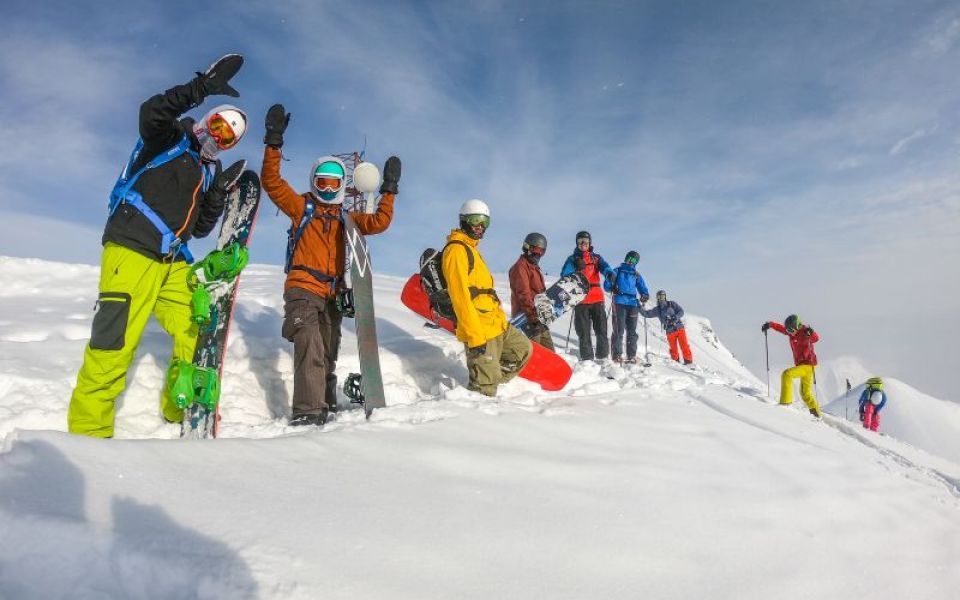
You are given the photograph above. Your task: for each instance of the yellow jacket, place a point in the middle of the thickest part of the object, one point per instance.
(479, 316)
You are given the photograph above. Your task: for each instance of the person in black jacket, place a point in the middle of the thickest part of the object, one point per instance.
(173, 189)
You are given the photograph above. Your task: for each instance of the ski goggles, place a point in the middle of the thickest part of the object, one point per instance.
(582, 241)
(221, 131)
(475, 220)
(327, 183)
(633, 261)
(536, 250)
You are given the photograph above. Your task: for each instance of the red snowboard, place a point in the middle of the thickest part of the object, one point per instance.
(544, 367)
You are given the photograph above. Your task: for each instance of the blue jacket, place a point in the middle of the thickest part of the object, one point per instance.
(669, 314)
(865, 398)
(628, 283)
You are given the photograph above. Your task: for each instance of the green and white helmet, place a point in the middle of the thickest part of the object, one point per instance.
(792, 323)
(328, 179)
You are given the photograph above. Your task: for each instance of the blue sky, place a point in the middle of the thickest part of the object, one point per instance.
(764, 158)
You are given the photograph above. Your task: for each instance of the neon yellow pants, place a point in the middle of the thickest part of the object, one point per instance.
(132, 287)
(805, 373)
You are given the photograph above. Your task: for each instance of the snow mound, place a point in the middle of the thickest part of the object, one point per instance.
(665, 482)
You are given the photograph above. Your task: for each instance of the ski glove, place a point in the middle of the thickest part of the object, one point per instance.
(765, 327)
(644, 298)
(809, 331)
(477, 351)
(391, 175)
(225, 180)
(276, 123)
(215, 82)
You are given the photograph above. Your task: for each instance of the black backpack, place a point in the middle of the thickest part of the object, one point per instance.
(435, 284)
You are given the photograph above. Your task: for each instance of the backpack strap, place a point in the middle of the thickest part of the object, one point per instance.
(474, 290)
(469, 253)
(123, 193)
(294, 235)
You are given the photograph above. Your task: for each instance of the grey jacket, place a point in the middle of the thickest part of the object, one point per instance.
(669, 314)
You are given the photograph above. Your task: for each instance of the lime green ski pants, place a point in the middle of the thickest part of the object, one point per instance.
(132, 286)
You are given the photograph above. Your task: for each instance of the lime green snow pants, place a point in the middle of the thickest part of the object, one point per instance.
(805, 374)
(132, 286)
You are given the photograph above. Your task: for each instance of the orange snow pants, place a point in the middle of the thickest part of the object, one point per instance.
(678, 343)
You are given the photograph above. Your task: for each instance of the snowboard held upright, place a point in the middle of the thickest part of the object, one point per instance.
(369, 389)
(195, 386)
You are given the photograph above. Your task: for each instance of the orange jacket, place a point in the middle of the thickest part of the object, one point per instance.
(322, 246)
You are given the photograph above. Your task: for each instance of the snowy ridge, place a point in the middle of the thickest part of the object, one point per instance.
(668, 482)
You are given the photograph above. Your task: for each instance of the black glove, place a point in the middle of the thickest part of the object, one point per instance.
(765, 327)
(809, 331)
(391, 175)
(215, 82)
(224, 180)
(276, 123)
(477, 351)
(644, 298)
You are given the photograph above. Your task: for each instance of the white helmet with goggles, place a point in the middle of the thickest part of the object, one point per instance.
(220, 129)
(474, 213)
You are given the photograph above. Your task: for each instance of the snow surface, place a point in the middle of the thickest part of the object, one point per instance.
(669, 482)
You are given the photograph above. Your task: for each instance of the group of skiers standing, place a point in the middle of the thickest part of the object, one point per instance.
(628, 295)
(174, 189)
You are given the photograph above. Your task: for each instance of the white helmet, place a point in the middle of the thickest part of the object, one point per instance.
(474, 213)
(220, 129)
(474, 207)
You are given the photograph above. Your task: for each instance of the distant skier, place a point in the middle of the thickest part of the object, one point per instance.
(671, 319)
(496, 350)
(173, 189)
(629, 292)
(526, 281)
(802, 339)
(316, 261)
(590, 312)
(872, 401)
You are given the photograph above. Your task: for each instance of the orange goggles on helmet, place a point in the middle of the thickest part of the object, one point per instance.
(221, 131)
(325, 183)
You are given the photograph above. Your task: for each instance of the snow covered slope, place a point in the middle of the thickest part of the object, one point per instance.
(668, 482)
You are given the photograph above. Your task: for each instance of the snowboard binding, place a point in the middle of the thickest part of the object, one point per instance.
(220, 266)
(345, 303)
(188, 384)
(353, 389)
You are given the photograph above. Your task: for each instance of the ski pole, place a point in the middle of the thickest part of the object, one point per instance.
(613, 323)
(646, 342)
(569, 328)
(766, 344)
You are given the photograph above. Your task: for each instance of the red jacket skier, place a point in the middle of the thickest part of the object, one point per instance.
(802, 338)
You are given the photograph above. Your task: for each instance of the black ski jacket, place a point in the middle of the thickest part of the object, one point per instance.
(173, 190)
